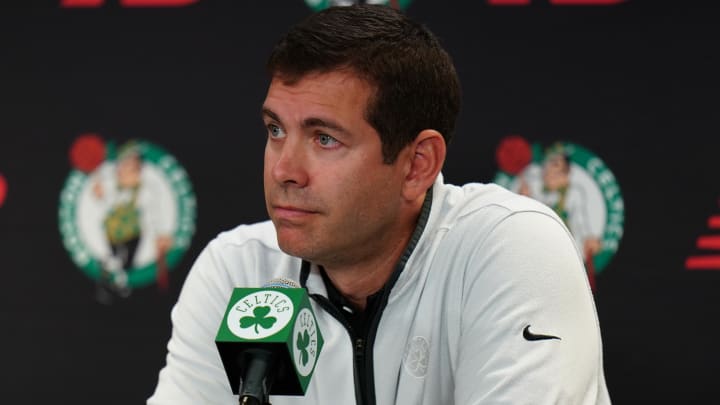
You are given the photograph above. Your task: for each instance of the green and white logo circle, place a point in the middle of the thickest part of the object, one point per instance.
(576, 184)
(305, 348)
(260, 314)
(127, 213)
(318, 5)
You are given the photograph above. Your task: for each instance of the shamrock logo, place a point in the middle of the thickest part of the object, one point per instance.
(302, 343)
(259, 319)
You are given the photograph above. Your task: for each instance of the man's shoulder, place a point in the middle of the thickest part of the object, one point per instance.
(475, 210)
(489, 200)
(247, 255)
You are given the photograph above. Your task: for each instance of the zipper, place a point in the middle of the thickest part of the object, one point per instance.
(359, 359)
(357, 343)
(359, 347)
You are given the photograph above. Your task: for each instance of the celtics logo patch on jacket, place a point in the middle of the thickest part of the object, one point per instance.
(127, 212)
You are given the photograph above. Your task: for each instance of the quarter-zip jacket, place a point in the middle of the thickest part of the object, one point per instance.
(489, 271)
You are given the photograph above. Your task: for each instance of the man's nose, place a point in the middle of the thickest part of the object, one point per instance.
(289, 167)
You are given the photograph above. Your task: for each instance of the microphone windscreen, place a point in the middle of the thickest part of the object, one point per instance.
(281, 283)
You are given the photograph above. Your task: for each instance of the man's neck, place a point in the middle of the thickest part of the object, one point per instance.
(359, 281)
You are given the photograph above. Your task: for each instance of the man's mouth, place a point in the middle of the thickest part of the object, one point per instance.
(291, 212)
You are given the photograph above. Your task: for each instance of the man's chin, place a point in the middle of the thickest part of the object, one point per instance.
(294, 248)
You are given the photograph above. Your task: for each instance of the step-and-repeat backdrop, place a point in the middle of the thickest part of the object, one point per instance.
(604, 110)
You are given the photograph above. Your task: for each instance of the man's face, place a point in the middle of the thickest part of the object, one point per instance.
(332, 199)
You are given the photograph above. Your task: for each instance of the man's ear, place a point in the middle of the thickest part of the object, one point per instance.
(427, 156)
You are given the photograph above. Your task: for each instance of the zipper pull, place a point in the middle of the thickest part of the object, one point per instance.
(359, 347)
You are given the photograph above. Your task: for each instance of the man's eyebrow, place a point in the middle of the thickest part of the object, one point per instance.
(271, 114)
(308, 122)
(319, 122)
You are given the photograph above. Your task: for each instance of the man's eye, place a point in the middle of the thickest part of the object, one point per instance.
(327, 140)
(275, 131)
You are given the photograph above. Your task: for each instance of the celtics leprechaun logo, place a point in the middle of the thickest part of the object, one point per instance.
(576, 184)
(318, 5)
(127, 214)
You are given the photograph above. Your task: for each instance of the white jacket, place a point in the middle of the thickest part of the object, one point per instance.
(487, 264)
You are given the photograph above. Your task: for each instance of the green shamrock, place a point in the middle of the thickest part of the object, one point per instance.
(302, 343)
(259, 319)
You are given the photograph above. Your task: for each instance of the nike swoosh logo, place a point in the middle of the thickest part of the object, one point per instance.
(532, 336)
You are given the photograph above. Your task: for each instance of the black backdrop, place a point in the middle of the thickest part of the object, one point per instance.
(635, 83)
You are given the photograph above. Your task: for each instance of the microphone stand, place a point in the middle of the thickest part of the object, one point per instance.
(255, 384)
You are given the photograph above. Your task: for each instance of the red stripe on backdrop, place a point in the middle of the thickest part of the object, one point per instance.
(714, 222)
(711, 262)
(708, 242)
(3, 189)
(81, 3)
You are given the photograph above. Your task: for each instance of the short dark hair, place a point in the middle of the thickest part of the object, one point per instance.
(415, 83)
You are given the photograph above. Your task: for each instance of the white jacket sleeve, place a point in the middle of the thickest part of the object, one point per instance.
(194, 373)
(528, 276)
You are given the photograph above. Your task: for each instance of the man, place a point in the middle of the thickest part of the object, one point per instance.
(426, 293)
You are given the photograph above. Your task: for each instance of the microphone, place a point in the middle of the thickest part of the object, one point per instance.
(269, 341)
